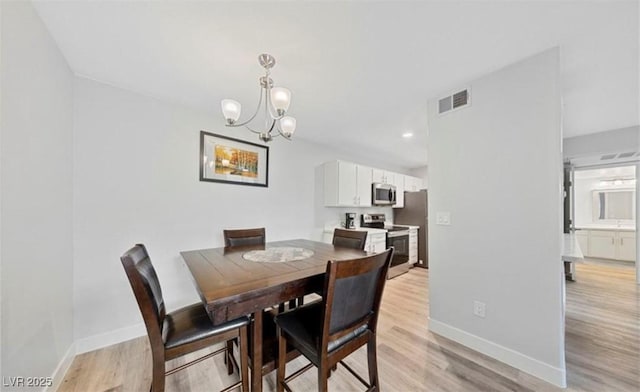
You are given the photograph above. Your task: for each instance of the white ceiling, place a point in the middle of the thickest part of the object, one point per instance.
(360, 72)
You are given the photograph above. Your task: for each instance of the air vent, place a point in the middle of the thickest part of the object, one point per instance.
(455, 101)
(622, 155)
(444, 105)
(460, 99)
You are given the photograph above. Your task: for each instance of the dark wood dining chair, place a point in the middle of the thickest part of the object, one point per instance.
(244, 237)
(183, 331)
(349, 238)
(327, 331)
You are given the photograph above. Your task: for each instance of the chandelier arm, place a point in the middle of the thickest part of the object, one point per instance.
(252, 117)
(273, 124)
(252, 130)
(282, 134)
(259, 133)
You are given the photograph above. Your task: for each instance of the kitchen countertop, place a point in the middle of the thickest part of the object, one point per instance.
(367, 229)
(571, 249)
(606, 227)
(409, 226)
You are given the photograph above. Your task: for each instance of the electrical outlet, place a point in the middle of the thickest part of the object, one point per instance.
(443, 218)
(479, 308)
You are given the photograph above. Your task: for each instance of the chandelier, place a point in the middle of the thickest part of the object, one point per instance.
(276, 103)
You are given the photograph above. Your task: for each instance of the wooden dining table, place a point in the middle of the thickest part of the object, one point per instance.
(231, 286)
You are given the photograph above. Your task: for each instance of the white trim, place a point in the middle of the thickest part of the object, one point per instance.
(637, 189)
(95, 342)
(544, 371)
(62, 368)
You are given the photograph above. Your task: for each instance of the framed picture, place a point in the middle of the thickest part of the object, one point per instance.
(233, 161)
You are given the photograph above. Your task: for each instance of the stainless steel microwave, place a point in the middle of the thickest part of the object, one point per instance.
(383, 194)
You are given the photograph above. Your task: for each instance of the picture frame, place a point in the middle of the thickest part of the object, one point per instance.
(233, 161)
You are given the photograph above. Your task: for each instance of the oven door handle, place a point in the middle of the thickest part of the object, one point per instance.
(398, 234)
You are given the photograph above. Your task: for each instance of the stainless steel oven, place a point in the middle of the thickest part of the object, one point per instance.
(383, 194)
(397, 236)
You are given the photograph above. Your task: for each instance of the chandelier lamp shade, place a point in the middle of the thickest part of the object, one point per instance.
(276, 104)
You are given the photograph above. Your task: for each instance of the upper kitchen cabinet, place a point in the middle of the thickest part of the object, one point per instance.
(347, 184)
(383, 176)
(412, 184)
(399, 183)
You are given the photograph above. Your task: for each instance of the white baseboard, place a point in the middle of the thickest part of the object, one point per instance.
(108, 338)
(544, 371)
(91, 343)
(61, 369)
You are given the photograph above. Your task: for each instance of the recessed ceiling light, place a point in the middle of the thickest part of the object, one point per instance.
(407, 135)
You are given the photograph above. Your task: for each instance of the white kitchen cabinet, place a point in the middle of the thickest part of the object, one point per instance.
(608, 244)
(602, 244)
(383, 176)
(626, 245)
(376, 242)
(363, 185)
(412, 184)
(413, 246)
(583, 240)
(399, 183)
(346, 184)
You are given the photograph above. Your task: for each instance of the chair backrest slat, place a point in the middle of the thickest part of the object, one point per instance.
(244, 237)
(349, 238)
(146, 288)
(353, 292)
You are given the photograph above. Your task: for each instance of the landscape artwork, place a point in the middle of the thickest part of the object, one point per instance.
(233, 161)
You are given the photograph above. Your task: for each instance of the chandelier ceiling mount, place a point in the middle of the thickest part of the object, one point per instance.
(276, 103)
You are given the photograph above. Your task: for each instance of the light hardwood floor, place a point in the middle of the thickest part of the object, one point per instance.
(602, 348)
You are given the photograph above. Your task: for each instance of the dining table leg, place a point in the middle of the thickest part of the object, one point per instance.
(256, 357)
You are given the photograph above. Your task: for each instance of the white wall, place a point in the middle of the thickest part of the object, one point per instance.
(136, 180)
(612, 141)
(36, 181)
(496, 167)
(421, 172)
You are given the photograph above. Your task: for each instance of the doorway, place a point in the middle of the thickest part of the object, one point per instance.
(604, 214)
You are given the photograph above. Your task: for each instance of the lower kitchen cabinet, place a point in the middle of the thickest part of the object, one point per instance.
(583, 240)
(413, 246)
(627, 246)
(608, 244)
(376, 242)
(602, 244)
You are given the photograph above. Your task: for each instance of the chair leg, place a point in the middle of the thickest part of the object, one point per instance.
(323, 378)
(333, 369)
(282, 361)
(244, 359)
(158, 374)
(227, 357)
(372, 359)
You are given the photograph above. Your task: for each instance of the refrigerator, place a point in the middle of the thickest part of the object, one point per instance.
(415, 213)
